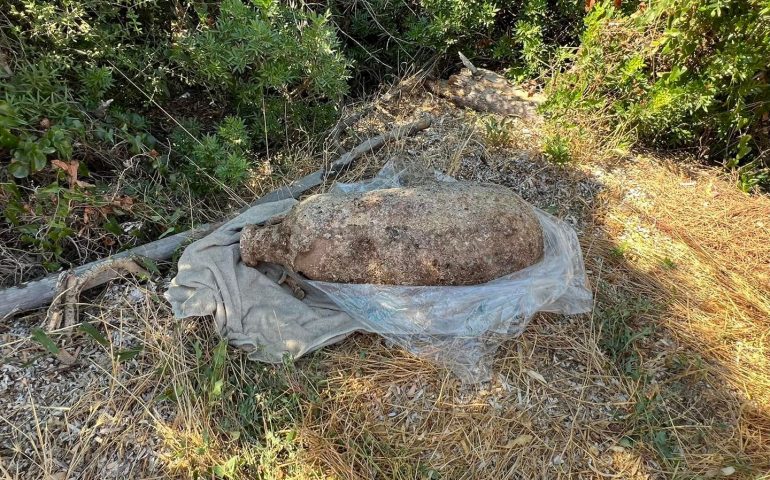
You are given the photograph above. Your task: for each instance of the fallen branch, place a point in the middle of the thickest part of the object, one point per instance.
(38, 293)
(317, 178)
(342, 126)
(63, 311)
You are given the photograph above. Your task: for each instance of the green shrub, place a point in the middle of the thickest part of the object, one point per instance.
(251, 56)
(681, 73)
(497, 132)
(385, 36)
(87, 78)
(213, 161)
(444, 23)
(85, 35)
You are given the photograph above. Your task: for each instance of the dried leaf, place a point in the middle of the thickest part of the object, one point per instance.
(66, 357)
(465, 446)
(89, 214)
(125, 202)
(537, 376)
(412, 391)
(70, 168)
(519, 441)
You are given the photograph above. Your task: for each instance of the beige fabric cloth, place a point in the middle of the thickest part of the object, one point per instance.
(250, 308)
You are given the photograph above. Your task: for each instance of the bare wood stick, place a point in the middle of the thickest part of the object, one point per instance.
(37, 293)
(64, 307)
(343, 125)
(317, 178)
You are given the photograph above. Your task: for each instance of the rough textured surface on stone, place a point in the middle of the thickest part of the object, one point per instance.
(486, 91)
(434, 234)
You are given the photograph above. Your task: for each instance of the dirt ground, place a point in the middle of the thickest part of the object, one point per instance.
(667, 377)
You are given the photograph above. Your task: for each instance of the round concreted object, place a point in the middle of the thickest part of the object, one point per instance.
(442, 233)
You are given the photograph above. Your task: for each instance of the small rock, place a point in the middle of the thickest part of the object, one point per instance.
(727, 471)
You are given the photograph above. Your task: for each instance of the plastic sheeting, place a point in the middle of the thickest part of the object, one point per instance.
(461, 327)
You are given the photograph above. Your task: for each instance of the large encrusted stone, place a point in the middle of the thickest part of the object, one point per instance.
(435, 234)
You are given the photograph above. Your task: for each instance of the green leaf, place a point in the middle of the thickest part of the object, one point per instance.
(52, 266)
(39, 159)
(220, 355)
(8, 116)
(264, 5)
(168, 232)
(61, 143)
(95, 334)
(626, 442)
(18, 169)
(51, 190)
(113, 227)
(8, 139)
(126, 355)
(43, 339)
(227, 469)
(216, 388)
(150, 265)
(743, 147)
(661, 441)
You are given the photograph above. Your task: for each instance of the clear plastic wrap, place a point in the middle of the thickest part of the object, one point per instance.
(461, 327)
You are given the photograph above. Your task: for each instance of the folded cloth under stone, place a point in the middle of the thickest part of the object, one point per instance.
(251, 309)
(457, 326)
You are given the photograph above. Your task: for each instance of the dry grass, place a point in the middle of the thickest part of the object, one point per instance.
(667, 378)
(701, 248)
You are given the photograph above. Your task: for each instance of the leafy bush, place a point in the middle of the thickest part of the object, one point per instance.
(267, 62)
(680, 73)
(213, 161)
(81, 94)
(384, 35)
(82, 36)
(264, 62)
(556, 149)
(497, 132)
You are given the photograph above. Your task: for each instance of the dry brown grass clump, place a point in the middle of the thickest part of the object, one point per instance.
(146, 396)
(703, 249)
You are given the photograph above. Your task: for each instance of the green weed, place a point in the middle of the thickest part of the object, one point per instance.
(620, 328)
(497, 132)
(556, 149)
